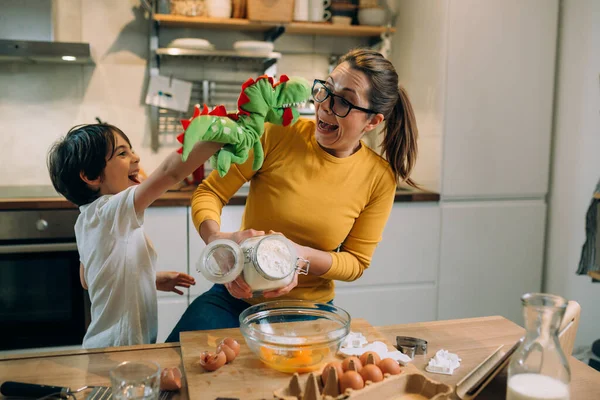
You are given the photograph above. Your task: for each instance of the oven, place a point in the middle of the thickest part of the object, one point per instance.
(42, 303)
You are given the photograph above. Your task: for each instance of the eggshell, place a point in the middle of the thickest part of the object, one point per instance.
(212, 361)
(371, 372)
(389, 366)
(351, 379)
(229, 352)
(346, 363)
(233, 344)
(170, 379)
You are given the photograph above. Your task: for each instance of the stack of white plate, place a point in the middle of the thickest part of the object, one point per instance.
(192, 43)
(254, 47)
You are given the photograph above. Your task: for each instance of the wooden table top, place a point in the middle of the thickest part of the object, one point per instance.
(179, 198)
(472, 339)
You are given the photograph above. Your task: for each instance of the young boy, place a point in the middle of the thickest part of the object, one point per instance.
(95, 167)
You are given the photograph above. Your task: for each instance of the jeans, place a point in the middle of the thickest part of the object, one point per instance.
(214, 309)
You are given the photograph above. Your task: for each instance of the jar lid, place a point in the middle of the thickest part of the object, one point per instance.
(221, 261)
(275, 257)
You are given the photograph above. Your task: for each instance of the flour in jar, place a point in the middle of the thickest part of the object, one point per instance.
(274, 258)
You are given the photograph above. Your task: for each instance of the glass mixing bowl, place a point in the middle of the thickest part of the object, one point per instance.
(294, 335)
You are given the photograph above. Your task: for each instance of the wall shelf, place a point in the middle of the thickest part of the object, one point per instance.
(297, 28)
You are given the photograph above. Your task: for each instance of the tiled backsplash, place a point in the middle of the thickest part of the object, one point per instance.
(39, 103)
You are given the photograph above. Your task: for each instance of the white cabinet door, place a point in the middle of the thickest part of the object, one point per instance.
(167, 229)
(409, 249)
(231, 220)
(403, 270)
(388, 305)
(500, 85)
(491, 254)
(169, 312)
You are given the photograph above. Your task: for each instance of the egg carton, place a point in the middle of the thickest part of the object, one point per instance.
(402, 386)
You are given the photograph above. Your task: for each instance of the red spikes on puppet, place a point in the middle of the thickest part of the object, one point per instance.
(186, 123)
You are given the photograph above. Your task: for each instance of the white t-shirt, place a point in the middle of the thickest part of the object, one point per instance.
(119, 263)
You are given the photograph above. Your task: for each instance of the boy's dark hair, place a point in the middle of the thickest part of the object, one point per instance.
(85, 149)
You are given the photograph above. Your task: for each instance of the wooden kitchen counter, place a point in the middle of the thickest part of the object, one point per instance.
(181, 198)
(472, 339)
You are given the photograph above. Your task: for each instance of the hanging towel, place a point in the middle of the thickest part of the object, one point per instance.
(589, 263)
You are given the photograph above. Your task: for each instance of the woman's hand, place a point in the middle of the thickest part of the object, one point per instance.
(300, 250)
(284, 290)
(237, 237)
(167, 281)
(237, 288)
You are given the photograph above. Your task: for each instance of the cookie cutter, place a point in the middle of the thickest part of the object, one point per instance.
(411, 346)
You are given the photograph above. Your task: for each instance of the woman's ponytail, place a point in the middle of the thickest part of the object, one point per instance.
(400, 138)
(390, 99)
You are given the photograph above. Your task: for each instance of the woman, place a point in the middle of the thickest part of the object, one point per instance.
(320, 186)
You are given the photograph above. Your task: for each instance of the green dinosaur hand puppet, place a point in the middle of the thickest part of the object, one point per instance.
(260, 101)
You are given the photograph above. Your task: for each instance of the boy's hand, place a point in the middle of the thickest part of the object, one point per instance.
(167, 281)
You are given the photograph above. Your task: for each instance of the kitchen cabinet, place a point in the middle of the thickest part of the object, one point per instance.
(491, 254)
(169, 312)
(485, 92)
(403, 271)
(167, 229)
(499, 97)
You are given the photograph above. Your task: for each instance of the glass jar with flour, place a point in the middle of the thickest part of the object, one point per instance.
(265, 262)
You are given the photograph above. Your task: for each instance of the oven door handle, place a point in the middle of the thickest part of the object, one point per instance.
(38, 248)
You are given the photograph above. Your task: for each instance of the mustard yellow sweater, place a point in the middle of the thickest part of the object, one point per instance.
(313, 198)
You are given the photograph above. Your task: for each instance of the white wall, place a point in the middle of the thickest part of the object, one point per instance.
(40, 102)
(576, 159)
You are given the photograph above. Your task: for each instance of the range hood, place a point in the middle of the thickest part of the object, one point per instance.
(45, 52)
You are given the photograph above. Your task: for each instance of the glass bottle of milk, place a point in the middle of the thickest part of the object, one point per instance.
(539, 369)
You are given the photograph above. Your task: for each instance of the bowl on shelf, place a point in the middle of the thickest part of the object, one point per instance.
(192, 44)
(294, 335)
(372, 16)
(253, 46)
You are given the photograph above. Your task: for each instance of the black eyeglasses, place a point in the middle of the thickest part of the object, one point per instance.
(340, 106)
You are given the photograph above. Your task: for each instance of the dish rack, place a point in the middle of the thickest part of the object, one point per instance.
(211, 93)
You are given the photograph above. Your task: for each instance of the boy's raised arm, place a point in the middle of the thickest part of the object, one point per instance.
(172, 170)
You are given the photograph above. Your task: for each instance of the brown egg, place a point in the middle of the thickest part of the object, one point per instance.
(233, 344)
(346, 363)
(365, 356)
(389, 366)
(351, 379)
(212, 361)
(371, 372)
(335, 365)
(170, 379)
(229, 353)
